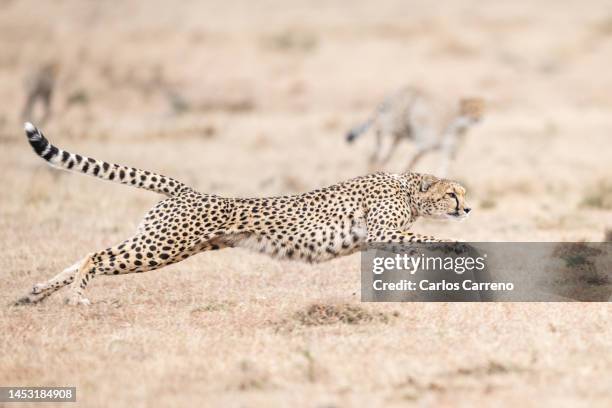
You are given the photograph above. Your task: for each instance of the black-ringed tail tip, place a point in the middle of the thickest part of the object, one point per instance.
(31, 131)
(39, 143)
(63, 159)
(29, 127)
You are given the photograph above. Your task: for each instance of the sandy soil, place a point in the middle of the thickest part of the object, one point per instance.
(245, 99)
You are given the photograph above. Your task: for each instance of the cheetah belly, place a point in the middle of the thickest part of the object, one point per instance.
(327, 242)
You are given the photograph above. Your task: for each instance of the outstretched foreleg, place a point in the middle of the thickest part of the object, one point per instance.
(384, 229)
(400, 237)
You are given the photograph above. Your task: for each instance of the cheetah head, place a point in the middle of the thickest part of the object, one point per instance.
(440, 198)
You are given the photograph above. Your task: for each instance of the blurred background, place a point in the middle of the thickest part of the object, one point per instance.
(254, 98)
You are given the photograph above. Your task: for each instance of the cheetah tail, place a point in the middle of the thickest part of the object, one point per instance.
(359, 130)
(113, 172)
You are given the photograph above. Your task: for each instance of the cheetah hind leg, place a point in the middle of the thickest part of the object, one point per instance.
(132, 257)
(41, 291)
(117, 260)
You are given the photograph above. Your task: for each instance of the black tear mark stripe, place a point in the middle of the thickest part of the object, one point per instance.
(101, 169)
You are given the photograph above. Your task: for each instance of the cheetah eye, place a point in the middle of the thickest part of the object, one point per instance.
(451, 195)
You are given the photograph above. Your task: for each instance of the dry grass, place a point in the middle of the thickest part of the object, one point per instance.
(488, 204)
(323, 314)
(584, 273)
(262, 98)
(291, 40)
(599, 196)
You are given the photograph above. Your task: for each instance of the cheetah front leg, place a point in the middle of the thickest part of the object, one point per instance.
(421, 151)
(374, 161)
(382, 227)
(386, 146)
(400, 237)
(414, 237)
(398, 241)
(390, 150)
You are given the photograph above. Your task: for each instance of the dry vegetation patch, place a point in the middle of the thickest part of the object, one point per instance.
(599, 196)
(212, 307)
(291, 40)
(321, 314)
(581, 276)
(251, 377)
(460, 379)
(491, 368)
(578, 257)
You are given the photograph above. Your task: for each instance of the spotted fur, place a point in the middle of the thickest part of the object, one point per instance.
(312, 227)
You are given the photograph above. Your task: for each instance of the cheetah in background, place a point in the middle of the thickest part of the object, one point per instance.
(409, 114)
(312, 227)
(40, 85)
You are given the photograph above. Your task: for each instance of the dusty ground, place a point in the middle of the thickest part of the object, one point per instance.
(243, 99)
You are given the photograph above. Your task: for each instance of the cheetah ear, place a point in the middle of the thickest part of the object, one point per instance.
(427, 180)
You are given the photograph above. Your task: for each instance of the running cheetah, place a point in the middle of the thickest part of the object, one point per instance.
(312, 227)
(410, 114)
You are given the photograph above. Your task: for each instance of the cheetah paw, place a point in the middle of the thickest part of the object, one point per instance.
(38, 288)
(36, 295)
(26, 300)
(76, 299)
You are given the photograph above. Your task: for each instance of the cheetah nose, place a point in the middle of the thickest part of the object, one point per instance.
(467, 210)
